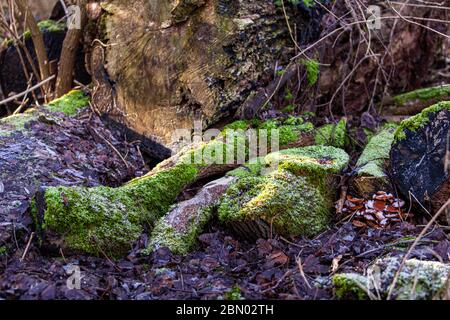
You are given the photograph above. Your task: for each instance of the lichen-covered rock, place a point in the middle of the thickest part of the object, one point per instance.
(333, 134)
(419, 155)
(179, 228)
(371, 172)
(295, 198)
(418, 280)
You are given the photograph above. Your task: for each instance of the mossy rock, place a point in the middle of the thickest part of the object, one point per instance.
(333, 134)
(418, 280)
(295, 198)
(372, 165)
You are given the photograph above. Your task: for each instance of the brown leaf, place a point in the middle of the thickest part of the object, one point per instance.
(359, 224)
(379, 205)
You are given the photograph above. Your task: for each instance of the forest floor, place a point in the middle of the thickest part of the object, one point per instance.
(221, 266)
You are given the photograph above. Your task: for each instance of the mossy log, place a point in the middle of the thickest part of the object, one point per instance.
(418, 280)
(413, 102)
(420, 156)
(372, 167)
(107, 220)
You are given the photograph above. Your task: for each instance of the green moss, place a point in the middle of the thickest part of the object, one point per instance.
(419, 120)
(350, 286)
(376, 153)
(3, 251)
(238, 125)
(290, 130)
(282, 198)
(44, 26)
(424, 94)
(164, 234)
(333, 134)
(311, 160)
(234, 294)
(102, 219)
(15, 123)
(312, 69)
(70, 103)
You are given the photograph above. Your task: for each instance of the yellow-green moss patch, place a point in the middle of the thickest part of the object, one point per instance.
(70, 103)
(332, 134)
(420, 120)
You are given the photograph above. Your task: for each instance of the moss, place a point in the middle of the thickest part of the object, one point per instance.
(234, 294)
(249, 169)
(102, 219)
(164, 234)
(290, 130)
(312, 69)
(420, 120)
(333, 134)
(350, 286)
(15, 123)
(70, 103)
(282, 198)
(372, 160)
(240, 124)
(311, 160)
(44, 26)
(424, 94)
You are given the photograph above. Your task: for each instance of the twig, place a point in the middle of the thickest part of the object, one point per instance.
(27, 247)
(40, 84)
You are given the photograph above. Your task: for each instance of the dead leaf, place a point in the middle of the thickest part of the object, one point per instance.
(335, 263)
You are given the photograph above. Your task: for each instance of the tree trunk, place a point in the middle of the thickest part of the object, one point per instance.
(168, 63)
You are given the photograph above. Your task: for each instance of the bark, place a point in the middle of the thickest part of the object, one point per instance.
(38, 42)
(68, 55)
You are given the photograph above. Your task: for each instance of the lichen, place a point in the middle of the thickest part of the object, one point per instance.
(419, 120)
(70, 103)
(418, 280)
(424, 94)
(332, 134)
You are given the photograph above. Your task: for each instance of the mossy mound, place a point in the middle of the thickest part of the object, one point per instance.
(333, 134)
(294, 199)
(418, 280)
(420, 120)
(372, 164)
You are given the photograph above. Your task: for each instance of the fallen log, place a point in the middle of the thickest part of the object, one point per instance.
(107, 220)
(420, 157)
(411, 103)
